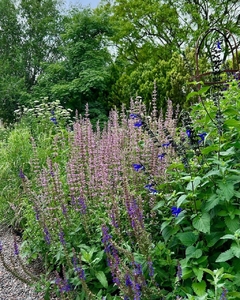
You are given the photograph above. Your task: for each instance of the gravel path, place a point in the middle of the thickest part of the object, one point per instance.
(12, 288)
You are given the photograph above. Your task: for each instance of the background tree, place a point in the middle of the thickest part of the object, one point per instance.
(83, 74)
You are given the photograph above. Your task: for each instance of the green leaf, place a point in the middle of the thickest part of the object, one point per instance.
(232, 224)
(213, 238)
(158, 205)
(199, 288)
(181, 200)
(187, 238)
(232, 123)
(210, 149)
(198, 272)
(228, 237)
(202, 223)
(226, 190)
(230, 151)
(102, 278)
(192, 185)
(211, 203)
(235, 249)
(225, 256)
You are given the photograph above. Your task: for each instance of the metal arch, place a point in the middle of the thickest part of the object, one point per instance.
(226, 34)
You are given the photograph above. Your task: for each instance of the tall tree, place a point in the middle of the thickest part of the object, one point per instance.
(29, 36)
(83, 75)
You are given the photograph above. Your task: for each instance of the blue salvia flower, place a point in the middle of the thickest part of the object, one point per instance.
(189, 133)
(134, 116)
(138, 167)
(176, 210)
(54, 120)
(138, 124)
(161, 156)
(166, 144)
(150, 188)
(1, 246)
(219, 45)
(202, 136)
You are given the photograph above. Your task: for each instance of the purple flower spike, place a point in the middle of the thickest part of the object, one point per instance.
(176, 211)
(138, 167)
(47, 236)
(61, 238)
(16, 250)
(21, 174)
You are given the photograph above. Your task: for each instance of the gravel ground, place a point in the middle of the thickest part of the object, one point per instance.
(12, 288)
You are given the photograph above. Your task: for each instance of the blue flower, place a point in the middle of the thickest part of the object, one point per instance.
(133, 116)
(151, 190)
(219, 45)
(176, 210)
(166, 144)
(21, 174)
(138, 124)
(202, 136)
(188, 132)
(54, 120)
(161, 156)
(138, 167)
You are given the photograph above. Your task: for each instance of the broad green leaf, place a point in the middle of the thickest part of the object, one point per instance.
(181, 200)
(199, 288)
(210, 149)
(187, 238)
(212, 173)
(158, 205)
(226, 190)
(202, 223)
(199, 273)
(211, 203)
(232, 123)
(232, 224)
(102, 278)
(228, 237)
(230, 151)
(235, 249)
(225, 256)
(192, 185)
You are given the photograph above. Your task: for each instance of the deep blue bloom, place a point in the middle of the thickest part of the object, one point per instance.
(133, 116)
(176, 210)
(202, 136)
(188, 132)
(166, 144)
(161, 156)
(219, 45)
(54, 120)
(151, 189)
(138, 124)
(138, 167)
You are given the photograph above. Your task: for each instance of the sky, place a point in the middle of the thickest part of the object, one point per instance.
(92, 3)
